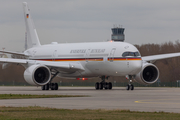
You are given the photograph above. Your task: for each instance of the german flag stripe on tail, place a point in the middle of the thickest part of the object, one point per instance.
(27, 15)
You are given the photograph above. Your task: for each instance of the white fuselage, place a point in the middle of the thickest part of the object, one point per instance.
(97, 58)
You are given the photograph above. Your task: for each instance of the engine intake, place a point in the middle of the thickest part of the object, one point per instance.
(148, 75)
(37, 75)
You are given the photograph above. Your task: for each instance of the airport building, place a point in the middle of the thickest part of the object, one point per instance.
(118, 34)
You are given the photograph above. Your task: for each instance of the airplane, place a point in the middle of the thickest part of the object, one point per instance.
(43, 63)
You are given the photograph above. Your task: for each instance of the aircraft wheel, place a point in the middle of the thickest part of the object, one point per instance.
(106, 86)
(43, 87)
(132, 87)
(46, 87)
(127, 87)
(55, 86)
(101, 86)
(110, 85)
(97, 86)
(52, 86)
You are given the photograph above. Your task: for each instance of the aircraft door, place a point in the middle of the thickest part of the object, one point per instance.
(111, 55)
(54, 56)
(34, 52)
(87, 55)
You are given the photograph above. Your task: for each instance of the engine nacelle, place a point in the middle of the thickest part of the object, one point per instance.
(148, 75)
(37, 75)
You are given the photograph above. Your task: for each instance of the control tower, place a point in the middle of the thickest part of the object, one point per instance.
(118, 34)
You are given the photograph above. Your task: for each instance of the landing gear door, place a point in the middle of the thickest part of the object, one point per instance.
(111, 55)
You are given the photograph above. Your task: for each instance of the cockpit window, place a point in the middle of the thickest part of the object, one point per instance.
(135, 54)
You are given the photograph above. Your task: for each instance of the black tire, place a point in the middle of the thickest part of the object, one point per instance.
(127, 87)
(47, 87)
(132, 87)
(56, 86)
(43, 87)
(97, 86)
(52, 86)
(101, 86)
(110, 85)
(106, 86)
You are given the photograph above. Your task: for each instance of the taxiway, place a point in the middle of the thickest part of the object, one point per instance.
(147, 99)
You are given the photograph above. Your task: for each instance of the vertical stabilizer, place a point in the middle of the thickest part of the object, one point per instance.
(32, 37)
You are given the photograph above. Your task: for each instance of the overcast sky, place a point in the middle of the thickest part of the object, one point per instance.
(145, 21)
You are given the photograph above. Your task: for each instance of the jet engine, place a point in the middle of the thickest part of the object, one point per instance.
(148, 75)
(37, 75)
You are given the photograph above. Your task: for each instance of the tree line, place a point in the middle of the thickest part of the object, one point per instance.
(169, 68)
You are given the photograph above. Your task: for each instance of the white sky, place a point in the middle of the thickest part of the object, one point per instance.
(145, 21)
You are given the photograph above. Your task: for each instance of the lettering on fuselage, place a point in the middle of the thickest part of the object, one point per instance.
(78, 51)
(97, 50)
(84, 51)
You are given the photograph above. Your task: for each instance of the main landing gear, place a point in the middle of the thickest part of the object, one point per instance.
(130, 86)
(52, 86)
(103, 84)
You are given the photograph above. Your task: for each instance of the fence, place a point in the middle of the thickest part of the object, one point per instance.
(87, 83)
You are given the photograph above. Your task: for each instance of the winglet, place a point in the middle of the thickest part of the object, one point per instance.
(32, 37)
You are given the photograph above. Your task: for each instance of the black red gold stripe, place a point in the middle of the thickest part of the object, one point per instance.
(27, 15)
(89, 59)
(123, 59)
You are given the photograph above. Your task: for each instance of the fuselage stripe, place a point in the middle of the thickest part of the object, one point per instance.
(89, 59)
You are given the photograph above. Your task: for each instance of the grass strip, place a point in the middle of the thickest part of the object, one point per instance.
(26, 96)
(42, 113)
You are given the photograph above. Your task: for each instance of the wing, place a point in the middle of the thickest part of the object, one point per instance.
(158, 57)
(13, 53)
(63, 66)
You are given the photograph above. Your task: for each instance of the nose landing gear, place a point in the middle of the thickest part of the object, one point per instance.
(129, 86)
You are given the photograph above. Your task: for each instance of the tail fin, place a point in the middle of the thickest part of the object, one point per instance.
(32, 37)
